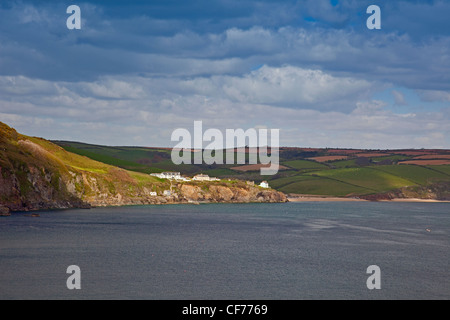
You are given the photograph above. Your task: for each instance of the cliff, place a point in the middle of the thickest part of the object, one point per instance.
(36, 174)
(239, 192)
(439, 191)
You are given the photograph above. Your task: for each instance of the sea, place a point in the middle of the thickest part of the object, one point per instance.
(283, 251)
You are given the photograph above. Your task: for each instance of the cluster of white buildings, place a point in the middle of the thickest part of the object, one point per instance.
(199, 177)
(178, 177)
(170, 175)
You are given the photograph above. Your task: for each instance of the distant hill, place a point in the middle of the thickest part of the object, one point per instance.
(370, 174)
(38, 174)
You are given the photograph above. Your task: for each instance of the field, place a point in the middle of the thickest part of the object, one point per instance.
(434, 156)
(255, 167)
(372, 154)
(441, 169)
(367, 178)
(328, 158)
(427, 162)
(304, 164)
(416, 174)
(326, 187)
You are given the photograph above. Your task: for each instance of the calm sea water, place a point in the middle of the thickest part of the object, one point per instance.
(230, 251)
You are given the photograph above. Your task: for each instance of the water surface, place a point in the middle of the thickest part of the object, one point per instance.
(311, 250)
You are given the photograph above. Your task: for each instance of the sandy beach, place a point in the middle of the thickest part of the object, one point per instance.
(319, 198)
(414, 200)
(304, 198)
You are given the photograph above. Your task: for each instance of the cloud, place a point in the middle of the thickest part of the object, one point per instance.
(112, 89)
(286, 86)
(99, 112)
(371, 126)
(399, 98)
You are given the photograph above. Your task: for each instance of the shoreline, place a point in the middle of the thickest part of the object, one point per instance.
(319, 198)
(291, 198)
(312, 198)
(416, 200)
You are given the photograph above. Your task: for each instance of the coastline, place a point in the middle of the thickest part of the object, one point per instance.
(305, 198)
(320, 198)
(415, 200)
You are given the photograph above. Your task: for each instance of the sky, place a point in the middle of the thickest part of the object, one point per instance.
(138, 70)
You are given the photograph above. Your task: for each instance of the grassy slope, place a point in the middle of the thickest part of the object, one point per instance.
(22, 156)
(368, 178)
(418, 174)
(325, 187)
(442, 169)
(304, 164)
(85, 163)
(145, 160)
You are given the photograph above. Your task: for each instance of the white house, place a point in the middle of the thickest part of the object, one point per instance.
(201, 177)
(153, 194)
(167, 175)
(171, 176)
(264, 184)
(204, 177)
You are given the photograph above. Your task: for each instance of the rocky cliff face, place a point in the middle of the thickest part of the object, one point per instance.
(238, 193)
(36, 174)
(434, 191)
(30, 179)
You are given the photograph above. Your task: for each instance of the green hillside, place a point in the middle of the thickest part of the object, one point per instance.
(304, 164)
(419, 175)
(368, 178)
(145, 160)
(37, 174)
(323, 186)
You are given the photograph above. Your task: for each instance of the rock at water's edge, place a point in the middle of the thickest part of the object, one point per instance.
(4, 211)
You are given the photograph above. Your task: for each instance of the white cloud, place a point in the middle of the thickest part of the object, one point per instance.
(114, 89)
(286, 86)
(147, 116)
